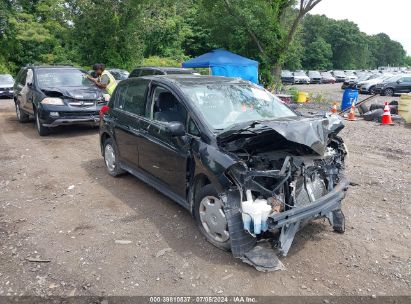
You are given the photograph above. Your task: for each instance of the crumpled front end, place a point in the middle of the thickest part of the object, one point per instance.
(282, 186)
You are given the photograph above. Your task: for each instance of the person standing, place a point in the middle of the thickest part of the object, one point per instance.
(104, 80)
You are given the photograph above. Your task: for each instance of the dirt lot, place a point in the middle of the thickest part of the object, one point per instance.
(58, 204)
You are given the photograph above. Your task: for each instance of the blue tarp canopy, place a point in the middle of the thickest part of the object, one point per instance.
(225, 63)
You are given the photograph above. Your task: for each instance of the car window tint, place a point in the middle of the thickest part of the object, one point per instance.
(166, 107)
(133, 98)
(147, 72)
(192, 128)
(406, 79)
(135, 73)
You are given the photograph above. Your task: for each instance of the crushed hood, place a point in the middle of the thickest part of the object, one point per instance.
(79, 93)
(312, 132)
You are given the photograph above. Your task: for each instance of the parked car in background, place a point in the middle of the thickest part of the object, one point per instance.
(368, 86)
(339, 76)
(147, 71)
(56, 95)
(315, 76)
(394, 85)
(361, 77)
(119, 74)
(6, 85)
(301, 77)
(287, 77)
(350, 75)
(217, 144)
(327, 77)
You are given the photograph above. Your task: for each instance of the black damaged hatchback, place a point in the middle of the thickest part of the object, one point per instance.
(246, 166)
(55, 96)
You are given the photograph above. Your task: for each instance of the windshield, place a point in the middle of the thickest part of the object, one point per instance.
(339, 73)
(62, 78)
(349, 73)
(326, 74)
(286, 74)
(299, 73)
(226, 104)
(6, 78)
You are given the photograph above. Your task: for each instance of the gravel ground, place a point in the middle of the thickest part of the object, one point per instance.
(68, 228)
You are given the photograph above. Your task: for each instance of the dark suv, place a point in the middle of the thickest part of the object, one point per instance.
(219, 145)
(147, 71)
(56, 95)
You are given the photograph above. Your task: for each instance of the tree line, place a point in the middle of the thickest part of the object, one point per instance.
(127, 33)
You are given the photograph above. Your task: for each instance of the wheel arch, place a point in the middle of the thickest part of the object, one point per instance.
(199, 181)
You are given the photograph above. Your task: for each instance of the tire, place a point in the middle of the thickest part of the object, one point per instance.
(210, 217)
(21, 116)
(389, 92)
(41, 129)
(373, 115)
(363, 109)
(111, 158)
(372, 90)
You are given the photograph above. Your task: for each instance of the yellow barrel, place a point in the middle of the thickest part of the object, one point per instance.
(302, 97)
(404, 107)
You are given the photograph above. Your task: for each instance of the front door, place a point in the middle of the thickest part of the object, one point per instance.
(160, 154)
(405, 85)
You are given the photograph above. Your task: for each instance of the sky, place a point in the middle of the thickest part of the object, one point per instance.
(372, 16)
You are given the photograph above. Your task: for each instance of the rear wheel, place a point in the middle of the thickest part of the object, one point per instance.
(210, 216)
(21, 116)
(41, 129)
(389, 92)
(372, 90)
(111, 158)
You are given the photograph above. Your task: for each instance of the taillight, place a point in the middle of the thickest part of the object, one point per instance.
(103, 110)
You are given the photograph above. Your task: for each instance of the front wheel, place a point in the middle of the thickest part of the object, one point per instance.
(41, 129)
(211, 219)
(21, 116)
(372, 90)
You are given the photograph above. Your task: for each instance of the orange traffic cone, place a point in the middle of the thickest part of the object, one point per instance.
(334, 108)
(351, 115)
(386, 117)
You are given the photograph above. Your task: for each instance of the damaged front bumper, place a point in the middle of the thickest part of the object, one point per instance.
(327, 206)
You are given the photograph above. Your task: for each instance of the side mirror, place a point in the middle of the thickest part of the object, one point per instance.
(175, 129)
(29, 84)
(399, 81)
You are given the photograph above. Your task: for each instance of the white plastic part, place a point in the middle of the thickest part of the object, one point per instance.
(255, 214)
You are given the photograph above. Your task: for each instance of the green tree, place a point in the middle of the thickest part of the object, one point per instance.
(318, 55)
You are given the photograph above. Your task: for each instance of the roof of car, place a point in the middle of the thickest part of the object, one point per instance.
(190, 79)
(52, 67)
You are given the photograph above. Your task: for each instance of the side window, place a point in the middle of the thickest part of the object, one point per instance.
(146, 72)
(132, 97)
(135, 73)
(192, 128)
(166, 107)
(406, 79)
(22, 77)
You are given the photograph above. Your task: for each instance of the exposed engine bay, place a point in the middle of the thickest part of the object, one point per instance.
(296, 181)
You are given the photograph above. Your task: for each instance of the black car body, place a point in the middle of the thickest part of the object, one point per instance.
(210, 142)
(394, 86)
(6, 85)
(56, 95)
(147, 71)
(315, 76)
(287, 77)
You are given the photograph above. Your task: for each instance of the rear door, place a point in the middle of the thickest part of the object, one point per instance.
(161, 155)
(129, 107)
